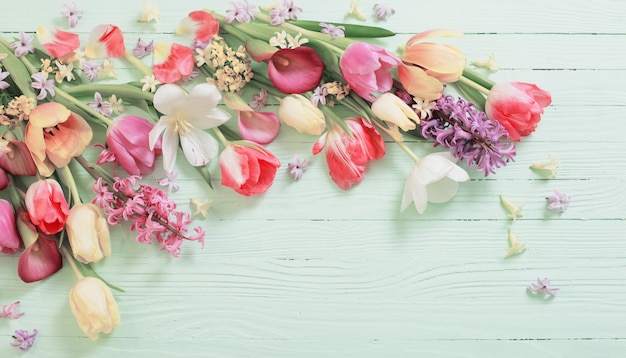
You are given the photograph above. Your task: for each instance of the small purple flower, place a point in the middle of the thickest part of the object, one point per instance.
(197, 44)
(241, 11)
(23, 45)
(43, 84)
(297, 167)
(9, 311)
(332, 30)
(143, 48)
(319, 95)
(23, 339)
(91, 69)
(558, 202)
(170, 182)
(100, 106)
(383, 11)
(4, 84)
(260, 100)
(72, 13)
(278, 15)
(292, 11)
(542, 286)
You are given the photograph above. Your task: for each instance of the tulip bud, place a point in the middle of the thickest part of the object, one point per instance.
(88, 233)
(298, 112)
(390, 108)
(127, 139)
(94, 307)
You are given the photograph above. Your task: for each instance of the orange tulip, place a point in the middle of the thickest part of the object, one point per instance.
(54, 135)
(442, 62)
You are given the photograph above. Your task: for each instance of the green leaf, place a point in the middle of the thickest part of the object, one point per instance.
(19, 72)
(350, 30)
(124, 91)
(471, 95)
(87, 270)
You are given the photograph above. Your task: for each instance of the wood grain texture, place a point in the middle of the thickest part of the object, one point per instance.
(309, 270)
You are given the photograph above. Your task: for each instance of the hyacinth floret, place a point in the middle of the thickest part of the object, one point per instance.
(460, 126)
(151, 213)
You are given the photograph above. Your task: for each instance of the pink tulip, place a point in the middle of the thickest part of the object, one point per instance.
(54, 135)
(105, 41)
(56, 42)
(41, 258)
(295, 70)
(517, 106)
(171, 62)
(4, 179)
(347, 155)
(365, 68)
(46, 206)
(10, 240)
(200, 25)
(248, 169)
(127, 139)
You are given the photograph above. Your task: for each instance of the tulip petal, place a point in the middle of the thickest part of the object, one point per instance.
(169, 99)
(199, 147)
(416, 82)
(171, 62)
(443, 62)
(105, 41)
(434, 33)
(414, 192)
(56, 42)
(40, 260)
(259, 127)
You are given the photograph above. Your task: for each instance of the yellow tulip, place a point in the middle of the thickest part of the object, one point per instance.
(88, 233)
(391, 109)
(94, 307)
(298, 112)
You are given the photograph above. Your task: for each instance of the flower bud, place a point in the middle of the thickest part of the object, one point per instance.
(88, 233)
(94, 307)
(298, 112)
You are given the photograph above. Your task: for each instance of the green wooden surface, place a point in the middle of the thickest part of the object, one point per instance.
(309, 270)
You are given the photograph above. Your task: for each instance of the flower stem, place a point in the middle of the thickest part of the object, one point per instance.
(137, 63)
(474, 85)
(408, 151)
(221, 137)
(66, 174)
(70, 259)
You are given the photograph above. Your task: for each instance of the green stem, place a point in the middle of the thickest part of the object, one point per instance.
(70, 259)
(137, 63)
(408, 151)
(67, 176)
(474, 85)
(221, 137)
(82, 106)
(478, 78)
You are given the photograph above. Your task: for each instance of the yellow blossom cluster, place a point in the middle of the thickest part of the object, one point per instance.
(17, 110)
(337, 89)
(231, 69)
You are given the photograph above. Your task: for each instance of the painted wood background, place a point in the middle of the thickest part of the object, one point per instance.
(309, 270)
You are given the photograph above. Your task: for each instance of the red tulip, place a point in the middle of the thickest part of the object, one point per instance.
(347, 155)
(248, 169)
(105, 41)
(171, 62)
(56, 42)
(46, 206)
(517, 106)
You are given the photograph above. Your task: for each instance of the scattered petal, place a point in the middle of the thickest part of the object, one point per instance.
(9, 311)
(200, 208)
(72, 13)
(170, 181)
(297, 167)
(515, 247)
(489, 63)
(383, 11)
(558, 202)
(355, 12)
(512, 211)
(547, 169)
(150, 13)
(23, 339)
(542, 286)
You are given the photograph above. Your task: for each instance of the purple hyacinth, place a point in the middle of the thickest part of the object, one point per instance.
(458, 125)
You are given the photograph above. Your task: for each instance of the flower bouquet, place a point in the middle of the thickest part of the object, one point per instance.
(327, 80)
